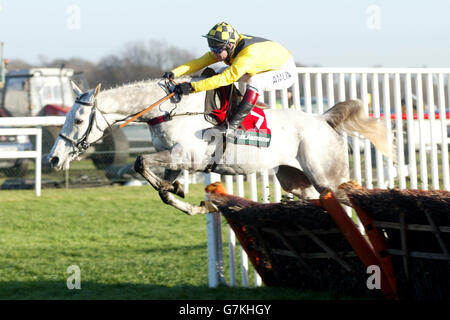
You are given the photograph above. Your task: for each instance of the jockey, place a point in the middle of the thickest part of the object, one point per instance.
(261, 63)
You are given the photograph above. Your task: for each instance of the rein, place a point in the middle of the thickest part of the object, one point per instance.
(147, 109)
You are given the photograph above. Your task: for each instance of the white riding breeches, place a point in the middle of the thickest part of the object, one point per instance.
(278, 79)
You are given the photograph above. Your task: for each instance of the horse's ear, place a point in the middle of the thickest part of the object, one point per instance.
(97, 90)
(76, 89)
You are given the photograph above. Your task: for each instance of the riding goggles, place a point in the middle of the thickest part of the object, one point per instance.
(217, 50)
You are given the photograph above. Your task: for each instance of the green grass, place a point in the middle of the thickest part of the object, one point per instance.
(127, 243)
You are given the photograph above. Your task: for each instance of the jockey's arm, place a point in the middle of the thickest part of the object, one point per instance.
(195, 65)
(230, 75)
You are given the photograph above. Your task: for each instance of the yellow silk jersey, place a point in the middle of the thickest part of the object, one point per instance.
(251, 55)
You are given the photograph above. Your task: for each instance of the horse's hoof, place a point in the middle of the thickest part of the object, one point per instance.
(164, 195)
(139, 164)
(178, 189)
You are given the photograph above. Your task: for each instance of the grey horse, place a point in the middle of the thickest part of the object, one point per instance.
(307, 151)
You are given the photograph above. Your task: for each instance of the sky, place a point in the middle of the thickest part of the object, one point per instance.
(329, 33)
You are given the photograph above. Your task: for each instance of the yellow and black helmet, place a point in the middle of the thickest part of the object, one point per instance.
(221, 34)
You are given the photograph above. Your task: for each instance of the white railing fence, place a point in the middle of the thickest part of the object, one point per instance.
(407, 99)
(28, 126)
(27, 154)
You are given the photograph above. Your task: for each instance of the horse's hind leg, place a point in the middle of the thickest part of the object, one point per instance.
(326, 171)
(296, 182)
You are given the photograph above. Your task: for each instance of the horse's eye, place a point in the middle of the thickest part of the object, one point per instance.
(78, 121)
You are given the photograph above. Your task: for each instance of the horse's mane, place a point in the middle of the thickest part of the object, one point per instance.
(149, 83)
(138, 93)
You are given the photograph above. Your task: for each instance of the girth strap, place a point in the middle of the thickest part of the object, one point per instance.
(160, 119)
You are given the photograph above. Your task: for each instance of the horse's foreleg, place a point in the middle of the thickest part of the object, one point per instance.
(163, 158)
(190, 209)
(171, 176)
(164, 187)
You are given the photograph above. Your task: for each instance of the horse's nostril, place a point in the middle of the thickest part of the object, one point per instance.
(54, 161)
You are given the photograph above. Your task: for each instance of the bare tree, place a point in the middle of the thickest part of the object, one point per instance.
(17, 64)
(137, 61)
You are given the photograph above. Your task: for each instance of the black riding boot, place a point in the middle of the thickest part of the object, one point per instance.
(244, 108)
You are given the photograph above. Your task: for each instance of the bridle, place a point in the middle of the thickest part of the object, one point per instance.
(81, 145)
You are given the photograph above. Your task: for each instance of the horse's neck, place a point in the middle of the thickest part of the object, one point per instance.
(131, 99)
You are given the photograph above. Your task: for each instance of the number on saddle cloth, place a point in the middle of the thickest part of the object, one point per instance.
(255, 131)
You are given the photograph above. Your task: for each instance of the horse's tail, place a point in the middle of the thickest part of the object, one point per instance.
(349, 116)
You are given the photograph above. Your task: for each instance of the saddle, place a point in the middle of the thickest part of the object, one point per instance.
(222, 103)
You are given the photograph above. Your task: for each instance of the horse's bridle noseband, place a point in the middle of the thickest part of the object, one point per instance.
(81, 145)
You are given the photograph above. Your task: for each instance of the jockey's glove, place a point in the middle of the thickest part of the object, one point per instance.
(183, 88)
(230, 134)
(168, 75)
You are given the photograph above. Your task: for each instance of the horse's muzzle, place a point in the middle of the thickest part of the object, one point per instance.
(54, 161)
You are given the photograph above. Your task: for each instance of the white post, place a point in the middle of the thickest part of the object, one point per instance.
(214, 241)
(254, 197)
(422, 150)
(387, 119)
(38, 161)
(272, 99)
(410, 133)
(285, 99)
(431, 120)
(253, 186)
(186, 181)
(244, 258)
(367, 153)
(443, 121)
(376, 111)
(319, 93)
(307, 92)
(265, 186)
(399, 129)
(240, 185)
(276, 188)
(341, 97)
(265, 199)
(356, 152)
(330, 90)
(296, 93)
(231, 237)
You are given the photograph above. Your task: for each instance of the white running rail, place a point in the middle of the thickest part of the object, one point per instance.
(416, 102)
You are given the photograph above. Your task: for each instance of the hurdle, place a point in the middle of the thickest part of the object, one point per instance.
(314, 245)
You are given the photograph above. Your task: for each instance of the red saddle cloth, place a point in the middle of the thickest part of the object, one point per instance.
(254, 122)
(254, 130)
